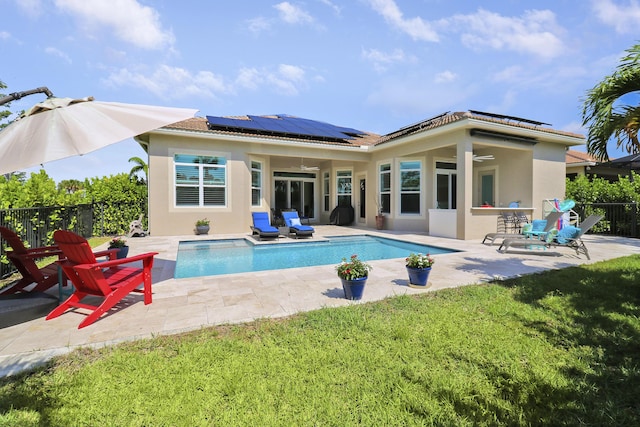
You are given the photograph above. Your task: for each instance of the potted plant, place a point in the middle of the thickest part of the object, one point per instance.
(202, 226)
(419, 267)
(353, 274)
(120, 244)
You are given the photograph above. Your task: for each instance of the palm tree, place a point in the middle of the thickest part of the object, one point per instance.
(607, 113)
(140, 166)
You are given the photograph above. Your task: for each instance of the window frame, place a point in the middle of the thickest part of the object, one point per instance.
(340, 194)
(381, 192)
(419, 191)
(200, 184)
(260, 187)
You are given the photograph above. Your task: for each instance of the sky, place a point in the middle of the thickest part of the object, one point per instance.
(375, 65)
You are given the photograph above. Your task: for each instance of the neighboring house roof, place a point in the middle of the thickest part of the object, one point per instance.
(282, 127)
(578, 158)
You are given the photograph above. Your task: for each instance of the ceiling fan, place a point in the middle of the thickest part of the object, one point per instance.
(307, 168)
(477, 158)
(481, 159)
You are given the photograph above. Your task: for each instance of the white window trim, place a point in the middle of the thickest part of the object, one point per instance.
(174, 185)
(435, 174)
(262, 180)
(336, 177)
(478, 184)
(379, 183)
(423, 211)
(327, 195)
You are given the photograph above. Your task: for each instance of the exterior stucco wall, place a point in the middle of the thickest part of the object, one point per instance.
(167, 219)
(522, 172)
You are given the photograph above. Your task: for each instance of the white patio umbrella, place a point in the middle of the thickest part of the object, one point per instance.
(63, 127)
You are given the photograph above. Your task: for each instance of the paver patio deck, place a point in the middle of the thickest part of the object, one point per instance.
(181, 305)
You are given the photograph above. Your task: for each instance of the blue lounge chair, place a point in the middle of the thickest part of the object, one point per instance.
(292, 220)
(541, 229)
(569, 237)
(262, 227)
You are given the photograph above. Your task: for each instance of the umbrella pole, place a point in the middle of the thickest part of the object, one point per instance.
(17, 95)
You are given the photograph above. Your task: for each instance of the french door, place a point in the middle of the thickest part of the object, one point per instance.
(295, 192)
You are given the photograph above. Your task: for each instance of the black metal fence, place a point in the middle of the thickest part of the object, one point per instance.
(36, 225)
(620, 219)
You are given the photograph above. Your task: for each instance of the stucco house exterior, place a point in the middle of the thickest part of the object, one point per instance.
(450, 175)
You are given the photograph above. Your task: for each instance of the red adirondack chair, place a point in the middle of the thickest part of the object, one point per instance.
(108, 279)
(24, 259)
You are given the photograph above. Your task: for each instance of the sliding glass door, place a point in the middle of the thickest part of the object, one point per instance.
(295, 191)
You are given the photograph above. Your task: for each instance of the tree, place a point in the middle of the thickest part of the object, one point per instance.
(140, 166)
(606, 112)
(4, 113)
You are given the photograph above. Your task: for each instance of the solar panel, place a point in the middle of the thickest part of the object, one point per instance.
(284, 125)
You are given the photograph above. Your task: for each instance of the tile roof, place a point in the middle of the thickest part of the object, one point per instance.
(573, 156)
(199, 124)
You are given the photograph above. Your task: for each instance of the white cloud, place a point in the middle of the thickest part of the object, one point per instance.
(31, 8)
(57, 52)
(178, 83)
(171, 82)
(381, 60)
(509, 74)
(129, 20)
(259, 24)
(288, 80)
(414, 27)
(249, 78)
(446, 77)
(337, 9)
(292, 14)
(536, 32)
(623, 18)
(4, 35)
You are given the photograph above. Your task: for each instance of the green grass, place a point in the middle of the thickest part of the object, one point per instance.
(558, 348)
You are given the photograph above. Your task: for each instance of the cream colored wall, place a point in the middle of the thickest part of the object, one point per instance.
(428, 150)
(523, 173)
(166, 219)
(549, 170)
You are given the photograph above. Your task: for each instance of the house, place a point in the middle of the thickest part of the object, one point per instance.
(450, 175)
(579, 163)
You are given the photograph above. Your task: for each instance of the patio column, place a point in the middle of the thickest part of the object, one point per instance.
(464, 156)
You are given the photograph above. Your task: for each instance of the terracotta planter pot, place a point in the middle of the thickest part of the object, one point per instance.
(380, 222)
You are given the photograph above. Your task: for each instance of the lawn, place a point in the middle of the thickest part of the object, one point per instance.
(557, 348)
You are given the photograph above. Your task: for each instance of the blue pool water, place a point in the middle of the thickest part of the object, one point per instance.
(213, 257)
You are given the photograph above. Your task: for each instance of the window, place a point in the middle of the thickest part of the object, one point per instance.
(344, 188)
(325, 191)
(485, 183)
(256, 183)
(410, 187)
(385, 188)
(446, 185)
(200, 180)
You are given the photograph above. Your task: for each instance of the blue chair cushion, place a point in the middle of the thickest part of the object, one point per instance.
(567, 234)
(538, 225)
(261, 222)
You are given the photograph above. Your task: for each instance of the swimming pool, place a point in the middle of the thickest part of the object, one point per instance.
(214, 257)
